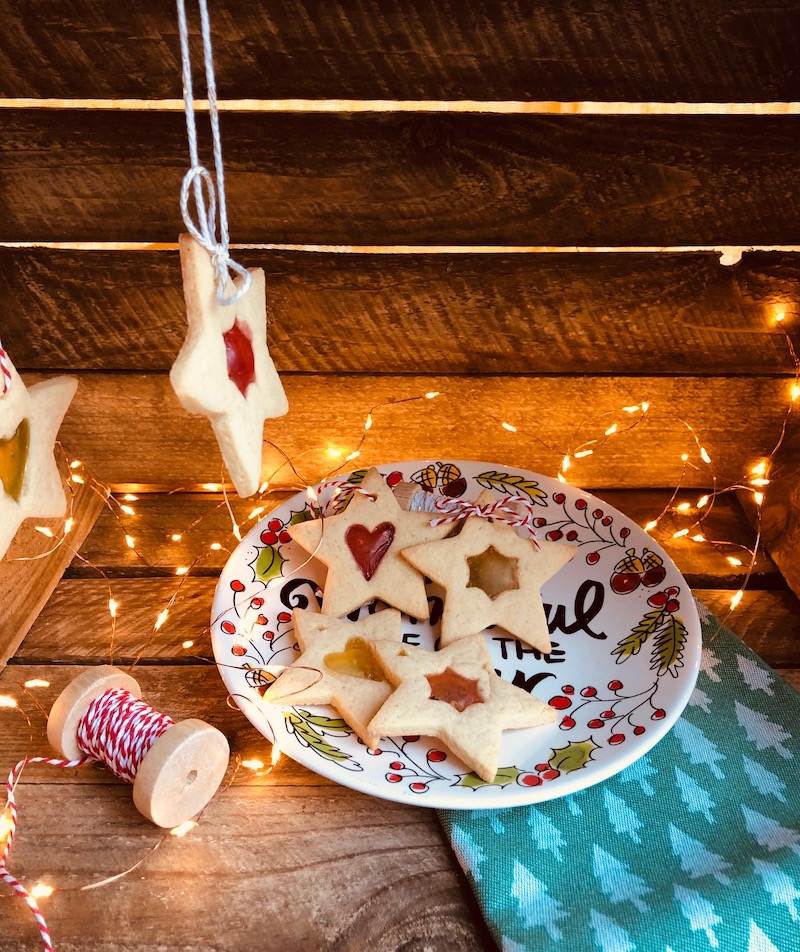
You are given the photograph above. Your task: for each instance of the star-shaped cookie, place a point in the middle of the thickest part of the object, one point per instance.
(361, 547)
(337, 667)
(224, 370)
(491, 576)
(30, 484)
(454, 695)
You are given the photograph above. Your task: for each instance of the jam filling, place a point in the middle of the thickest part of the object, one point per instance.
(369, 546)
(240, 358)
(356, 660)
(453, 688)
(492, 572)
(13, 459)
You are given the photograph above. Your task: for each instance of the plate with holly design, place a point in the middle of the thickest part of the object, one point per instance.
(625, 647)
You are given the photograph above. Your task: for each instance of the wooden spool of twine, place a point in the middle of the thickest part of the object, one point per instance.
(175, 768)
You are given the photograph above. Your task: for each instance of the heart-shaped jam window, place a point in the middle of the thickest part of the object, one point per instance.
(369, 546)
(356, 660)
(13, 458)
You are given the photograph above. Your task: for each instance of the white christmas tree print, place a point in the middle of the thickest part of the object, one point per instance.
(621, 816)
(695, 859)
(698, 748)
(696, 798)
(709, 661)
(546, 834)
(509, 945)
(756, 677)
(468, 851)
(762, 732)
(608, 935)
(763, 780)
(535, 904)
(617, 882)
(699, 912)
(572, 803)
(638, 773)
(769, 833)
(781, 889)
(497, 824)
(759, 942)
(699, 698)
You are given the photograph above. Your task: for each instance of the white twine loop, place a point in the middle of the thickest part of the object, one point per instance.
(502, 510)
(198, 181)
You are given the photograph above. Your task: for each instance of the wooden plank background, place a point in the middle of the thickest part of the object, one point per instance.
(708, 50)
(458, 313)
(410, 179)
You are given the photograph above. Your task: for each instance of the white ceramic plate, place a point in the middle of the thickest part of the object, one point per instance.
(624, 627)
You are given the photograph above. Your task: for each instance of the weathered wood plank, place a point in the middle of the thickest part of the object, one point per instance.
(410, 179)
(658, 50)
(325, 869)
(131, 430)
(202, 519)
(768, 621)
(606, 313)
(33, 565)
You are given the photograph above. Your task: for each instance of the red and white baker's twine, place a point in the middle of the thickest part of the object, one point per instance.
(5, 368)
(117, 730)
(502, 510)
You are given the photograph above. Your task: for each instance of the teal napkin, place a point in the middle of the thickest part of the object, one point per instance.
(696, 846)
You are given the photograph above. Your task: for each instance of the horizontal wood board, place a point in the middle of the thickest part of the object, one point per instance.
(410, 179)
(676, 313)
(130, 429)
(708, 50)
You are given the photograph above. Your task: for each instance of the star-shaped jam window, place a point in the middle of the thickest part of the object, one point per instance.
(336, 666)
(454, 695)
(224, 370)
(30, 483)
(491, 576)
(361, 547)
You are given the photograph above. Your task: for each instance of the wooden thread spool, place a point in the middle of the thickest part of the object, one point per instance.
(177, 776)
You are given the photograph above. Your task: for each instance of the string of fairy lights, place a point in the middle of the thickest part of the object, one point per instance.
(754, 482)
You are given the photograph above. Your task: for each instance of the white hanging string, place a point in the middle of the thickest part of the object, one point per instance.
(198, 180)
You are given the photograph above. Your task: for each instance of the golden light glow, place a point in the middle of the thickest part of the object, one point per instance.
(130, 542)
(509, 427)
(560, 477)
(352, 455)
(256, 512)
(581, 453)
(181, 570)
(212, 487)
(264, 486)
(6, 701)
(733, 560)
(75, 464)
(683, 507)
(704, 455)
(761, 481)
(161, 619)
(795, 392)
(368, 422)
(611, 430)
(680, 533)
(237, 532)
(37, 683)
(5, 826)
(702, 502)
(215, 546)
(432, 394)
(565, 464)
(760, 469)
(68, 524)
(698, 538)
(187, 644)
(631, 409)
(129, 497)
(336, 454)
(736, 599)
(684, 456)
(42, 891)
(253, 764)
(128, 510)
(183, 829)
(113, 605)
(276, 754)
(759, 498)
(779, 316)
(651, 525)
(45, 531)
(645, 406)
(176, 537)
(77, 479)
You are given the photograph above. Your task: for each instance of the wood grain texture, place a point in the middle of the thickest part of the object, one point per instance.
(202, 519)
(410, 179)
(130, 430)
(471, 313)
(767, 621)
(550, 49)
(33, 565)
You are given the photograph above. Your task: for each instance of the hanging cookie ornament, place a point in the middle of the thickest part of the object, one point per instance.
(30, 483)
(224, 370)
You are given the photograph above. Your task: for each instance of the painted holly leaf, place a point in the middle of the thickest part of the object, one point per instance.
(512, 484)
(503, 777)
(269, 564)
(342, 500)
(305, 515)
(632, 643)
(328, 725)
(668, 647)
(303, 726)
(575, 756)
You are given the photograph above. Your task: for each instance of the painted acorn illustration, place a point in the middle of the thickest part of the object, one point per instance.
(632, 571)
